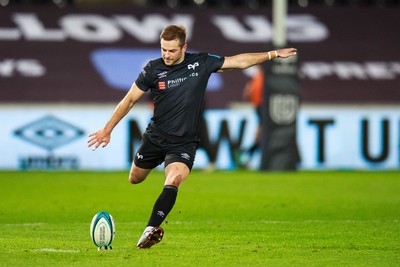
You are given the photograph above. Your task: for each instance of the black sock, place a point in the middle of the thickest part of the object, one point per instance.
(163, 205)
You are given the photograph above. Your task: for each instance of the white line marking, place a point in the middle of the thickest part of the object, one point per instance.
(21, 224)
(58, 250)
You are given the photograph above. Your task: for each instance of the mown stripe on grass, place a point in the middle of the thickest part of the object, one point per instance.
(230, 222)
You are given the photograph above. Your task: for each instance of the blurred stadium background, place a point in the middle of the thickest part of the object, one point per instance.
(64, 65)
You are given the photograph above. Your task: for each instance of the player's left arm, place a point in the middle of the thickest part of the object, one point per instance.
(246, 60)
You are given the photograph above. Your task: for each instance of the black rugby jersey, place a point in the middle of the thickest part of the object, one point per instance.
(178, 92)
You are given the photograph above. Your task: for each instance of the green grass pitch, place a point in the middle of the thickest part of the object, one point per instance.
(238, 218)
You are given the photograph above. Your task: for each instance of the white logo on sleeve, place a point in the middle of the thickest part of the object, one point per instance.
(185, 156)
(139, 156)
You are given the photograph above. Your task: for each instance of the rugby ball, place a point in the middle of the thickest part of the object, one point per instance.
(102, 230)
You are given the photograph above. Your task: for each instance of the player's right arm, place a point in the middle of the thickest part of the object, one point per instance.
(103, 136)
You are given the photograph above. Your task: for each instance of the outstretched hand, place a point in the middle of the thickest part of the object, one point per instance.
(287, 52)
(98, 138)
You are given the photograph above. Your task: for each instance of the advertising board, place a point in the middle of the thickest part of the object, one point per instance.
(329, 137)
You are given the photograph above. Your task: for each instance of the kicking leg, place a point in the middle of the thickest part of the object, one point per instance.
(175, 174)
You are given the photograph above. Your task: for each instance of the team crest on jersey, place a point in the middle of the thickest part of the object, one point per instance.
(161, 85)
(193, 66)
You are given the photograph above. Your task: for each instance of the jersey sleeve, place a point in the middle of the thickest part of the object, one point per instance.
(214, 62)
(144, 79)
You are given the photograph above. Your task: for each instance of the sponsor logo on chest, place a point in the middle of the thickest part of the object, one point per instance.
(162, 85)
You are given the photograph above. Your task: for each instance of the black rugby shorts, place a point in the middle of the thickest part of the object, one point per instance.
(156, 148)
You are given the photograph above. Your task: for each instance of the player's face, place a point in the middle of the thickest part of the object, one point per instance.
(171, 52)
